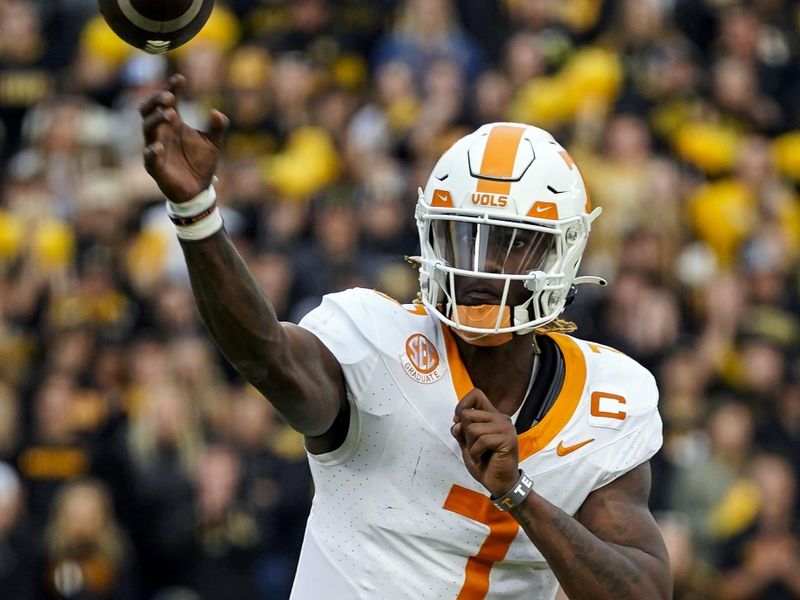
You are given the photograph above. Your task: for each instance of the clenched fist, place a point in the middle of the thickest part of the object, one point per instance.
(181, 159)
(488, 442)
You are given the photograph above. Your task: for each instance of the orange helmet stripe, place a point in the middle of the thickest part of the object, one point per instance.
(498, 158)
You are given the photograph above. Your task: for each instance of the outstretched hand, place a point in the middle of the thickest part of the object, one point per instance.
(488, 442)
(181, 159)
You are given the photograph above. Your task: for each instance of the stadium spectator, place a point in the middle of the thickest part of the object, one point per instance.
(711, 492)
(763, 561)
(226, 532)
(27, 76)
(86, 553)
(54, 453)
(779, 431)
(163, 445)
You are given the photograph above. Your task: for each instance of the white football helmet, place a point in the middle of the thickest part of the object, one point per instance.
(504, 204)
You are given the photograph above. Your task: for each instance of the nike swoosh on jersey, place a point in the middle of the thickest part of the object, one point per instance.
(563, 450)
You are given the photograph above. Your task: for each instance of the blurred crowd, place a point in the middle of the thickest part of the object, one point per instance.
(135, 464)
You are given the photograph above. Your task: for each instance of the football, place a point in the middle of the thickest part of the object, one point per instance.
(156, 26)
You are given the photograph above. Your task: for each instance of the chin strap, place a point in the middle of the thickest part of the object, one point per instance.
(522, 315)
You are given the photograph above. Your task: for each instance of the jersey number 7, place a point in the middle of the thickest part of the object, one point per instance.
(503, 529)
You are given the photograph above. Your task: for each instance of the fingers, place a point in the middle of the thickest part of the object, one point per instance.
(472, 432)
(458, 433)
(153, 154)
(151, 122)
(160, 107)
(474, 415)
(164, 98)
(478, 432)
(487, 443)
(474, 408)
(217, 127)
(156, 117)
(475, 399)
(176, 83)
(160, 99)
(472, 422)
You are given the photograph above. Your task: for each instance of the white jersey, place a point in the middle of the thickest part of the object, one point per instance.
(396, 515)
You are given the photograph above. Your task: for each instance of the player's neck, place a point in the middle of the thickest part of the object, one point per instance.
(502, 372)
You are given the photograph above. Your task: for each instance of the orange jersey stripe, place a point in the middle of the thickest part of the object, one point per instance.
(541, 434)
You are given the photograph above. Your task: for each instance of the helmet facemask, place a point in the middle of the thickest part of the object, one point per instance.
(524, 269)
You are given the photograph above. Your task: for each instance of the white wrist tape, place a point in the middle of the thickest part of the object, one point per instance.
(198, 218)
(196, 205)
(202, 229)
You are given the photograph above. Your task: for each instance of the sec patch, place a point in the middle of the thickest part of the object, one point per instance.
(421, 360)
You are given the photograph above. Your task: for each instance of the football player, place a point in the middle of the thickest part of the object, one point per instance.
(464, 446)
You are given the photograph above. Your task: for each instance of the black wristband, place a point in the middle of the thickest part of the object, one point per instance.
(194, 218)
(516, 495)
